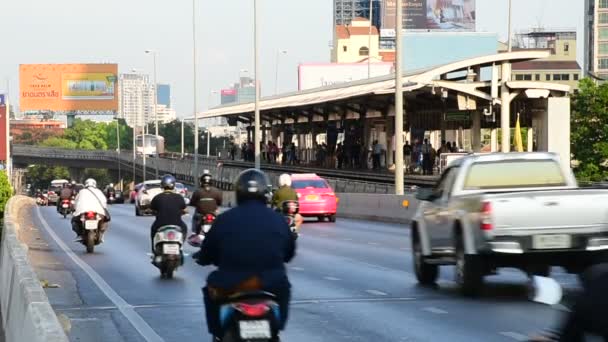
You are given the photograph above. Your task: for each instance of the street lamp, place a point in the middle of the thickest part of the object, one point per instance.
(118, 152)
(257, 137)
(369, 44)
(154, 55)
(399, 168)
(195, 170)
(276, 76)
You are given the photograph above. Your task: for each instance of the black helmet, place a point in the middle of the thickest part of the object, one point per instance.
(205, 178)
(251, 184)
(167, 182)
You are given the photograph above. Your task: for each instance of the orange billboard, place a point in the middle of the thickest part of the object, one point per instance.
(68, 87)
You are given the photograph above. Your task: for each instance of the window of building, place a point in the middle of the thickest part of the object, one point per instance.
(603, 3)
(557, 77)
(566, 48)
(519, 77)
(575, 77)
(565, 77)
(603, 32)
(345, 48)
(547, 77)
(603, 48)
(603, 63)
(603, 18)
(537, 77)
(527, 77)
(364, 51)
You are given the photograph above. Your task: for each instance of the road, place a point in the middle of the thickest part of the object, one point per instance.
(352, 281)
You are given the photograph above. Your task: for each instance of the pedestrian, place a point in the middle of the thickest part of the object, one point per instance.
(407, 155)
(376, 152)
(454, 147)
(426, 157)
(340, 155)
(356, 154)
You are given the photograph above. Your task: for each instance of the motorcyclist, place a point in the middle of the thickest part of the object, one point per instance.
(168, 207)
(66, 193)
(90, 199)
(250, 245)
(206, 200)
(284, 193)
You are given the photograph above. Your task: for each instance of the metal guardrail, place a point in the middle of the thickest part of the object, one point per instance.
(227, 170)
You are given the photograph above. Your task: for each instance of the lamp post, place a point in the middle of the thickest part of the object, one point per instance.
(195, 170)
(154, 55)
(509, 30)
(276, 76)
(118, 152)
(182, 138)
(399, 169)
(257, 137)
(369, 44)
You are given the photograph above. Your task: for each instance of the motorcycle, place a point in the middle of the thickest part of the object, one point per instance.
(42, 200)
(168, 253)
(250, 316)
(92, 233)
(196, 240)
(111, 195)
(65, 208)
(294, 220)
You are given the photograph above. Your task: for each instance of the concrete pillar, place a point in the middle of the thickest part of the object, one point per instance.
(494, 140)
(391, 141)
(557, 123)
(530, 139)
(476, 131)
(505, 110)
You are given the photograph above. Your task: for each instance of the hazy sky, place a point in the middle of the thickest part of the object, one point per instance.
(81, 31)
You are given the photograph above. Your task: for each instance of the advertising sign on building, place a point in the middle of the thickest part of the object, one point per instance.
(321, 75)
(434, 15)
(68, 87)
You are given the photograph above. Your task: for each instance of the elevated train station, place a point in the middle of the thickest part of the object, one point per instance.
(454, 102)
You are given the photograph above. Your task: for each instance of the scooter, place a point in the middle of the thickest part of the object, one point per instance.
(168, 250)
(92, 233)
(290, 209)
(65, 208)
(111, 194)
(196, 240)
(250, 316)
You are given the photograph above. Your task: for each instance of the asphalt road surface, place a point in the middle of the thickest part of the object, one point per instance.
(352, 281)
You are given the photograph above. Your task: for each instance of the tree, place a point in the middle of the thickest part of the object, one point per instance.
(125, 132)
(589, 134)
(59, 143)
(40, 176)
(88, 135)
(6, 192)
(172, 132)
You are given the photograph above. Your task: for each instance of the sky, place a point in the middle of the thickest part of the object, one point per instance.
(119, 31)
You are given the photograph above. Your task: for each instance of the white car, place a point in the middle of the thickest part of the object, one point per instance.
(182, 190)
(145, 195)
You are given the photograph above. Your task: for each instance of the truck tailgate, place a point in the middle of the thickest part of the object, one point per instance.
(521, 213)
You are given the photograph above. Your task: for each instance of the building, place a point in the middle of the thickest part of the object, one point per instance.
(596, 39)
(243, 91)
(347, 10)
(165, 114)
(352, 42)
(136, 99)
(561, 66)
(163, 95)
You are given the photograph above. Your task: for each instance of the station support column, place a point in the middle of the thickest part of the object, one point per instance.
(505, 110)
(476, 131)
(391, 141)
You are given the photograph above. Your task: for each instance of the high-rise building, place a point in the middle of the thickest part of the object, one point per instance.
(136, 99)
(163, 94)
(165, 114)
(596, 39)
(347, 10)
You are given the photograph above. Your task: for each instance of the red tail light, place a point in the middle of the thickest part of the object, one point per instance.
(209, 218)
(329, 194)
(90, 215)
(252, 310)
(171, 235)
(486, 216)
(65, 201)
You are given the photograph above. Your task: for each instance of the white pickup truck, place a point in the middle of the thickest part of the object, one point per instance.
(507, 210)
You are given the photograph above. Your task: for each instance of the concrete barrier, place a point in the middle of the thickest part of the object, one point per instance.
(26, 312)
(379, 207)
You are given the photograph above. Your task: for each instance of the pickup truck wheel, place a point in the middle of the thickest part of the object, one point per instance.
(469, 272)
(426, 274)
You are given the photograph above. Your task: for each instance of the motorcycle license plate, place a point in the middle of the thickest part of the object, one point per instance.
(251, 330)
(64, 206)
(111, 198)
(91, 224)
(206, 228)
(171, 249)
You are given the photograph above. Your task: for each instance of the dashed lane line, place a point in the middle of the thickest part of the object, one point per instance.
(331, 278)
(376, 293)
(435, 310)
(515, 336)
(125, 308)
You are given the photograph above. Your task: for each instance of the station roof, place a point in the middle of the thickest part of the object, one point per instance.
(383, 85)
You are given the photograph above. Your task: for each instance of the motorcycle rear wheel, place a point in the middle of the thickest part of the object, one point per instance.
(90, 242)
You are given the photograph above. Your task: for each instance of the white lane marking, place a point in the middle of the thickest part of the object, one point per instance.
(348, 239)
(84, 319)
(373, 243)
(331, 278)
(435, 310)
(376, 293)
(515, 336)
(125, 308)
(297, 268)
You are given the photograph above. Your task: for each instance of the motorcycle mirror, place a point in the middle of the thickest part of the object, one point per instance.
(545, 291)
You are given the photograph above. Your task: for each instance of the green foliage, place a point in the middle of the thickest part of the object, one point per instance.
(88, 135)
(589, 132)
(172, 132)
(40, 176)
(59, 143)
(6, 192)
(125, 135)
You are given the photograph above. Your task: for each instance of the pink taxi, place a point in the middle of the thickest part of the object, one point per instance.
(315, 196)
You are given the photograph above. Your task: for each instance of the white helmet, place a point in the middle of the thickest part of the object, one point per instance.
(111, 185)
(90, 183)
(285, 180)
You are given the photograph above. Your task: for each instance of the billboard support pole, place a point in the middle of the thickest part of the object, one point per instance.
(399, 168)
(256, 137)
(196, 137)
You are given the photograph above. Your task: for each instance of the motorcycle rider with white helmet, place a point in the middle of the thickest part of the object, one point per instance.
(90, 199)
